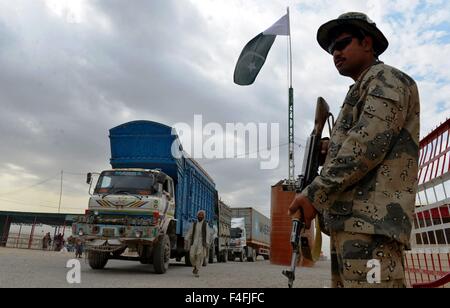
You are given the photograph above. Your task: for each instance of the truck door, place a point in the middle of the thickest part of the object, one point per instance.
(170, 196)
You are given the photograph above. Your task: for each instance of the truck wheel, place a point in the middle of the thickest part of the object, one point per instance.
(241, 257)
(97, 260)
(212, 253)
(249, 254)
(224, 257)
(161, 254)
(231, 257)
(253, 256)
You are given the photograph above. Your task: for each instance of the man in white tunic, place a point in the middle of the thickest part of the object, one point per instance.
(198, 238)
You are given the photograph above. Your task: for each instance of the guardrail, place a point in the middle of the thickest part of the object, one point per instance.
(427, 269)
(434, 284)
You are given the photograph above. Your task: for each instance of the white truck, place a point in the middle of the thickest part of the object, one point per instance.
(238, 241)
(250, 235)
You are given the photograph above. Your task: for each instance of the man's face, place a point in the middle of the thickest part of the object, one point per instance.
(349, 55)
(200, 216)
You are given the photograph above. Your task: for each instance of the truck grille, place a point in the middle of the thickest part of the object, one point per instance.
(108, 232)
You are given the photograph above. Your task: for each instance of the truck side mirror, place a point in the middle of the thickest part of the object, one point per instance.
(157, 187)
(89, 178)
(169, 197)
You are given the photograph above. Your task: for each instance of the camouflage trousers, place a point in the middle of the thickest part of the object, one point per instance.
(366, 261)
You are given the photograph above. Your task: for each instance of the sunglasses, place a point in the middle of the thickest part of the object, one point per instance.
(340, 45)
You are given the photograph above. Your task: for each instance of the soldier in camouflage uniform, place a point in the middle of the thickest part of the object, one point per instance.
(365, 194)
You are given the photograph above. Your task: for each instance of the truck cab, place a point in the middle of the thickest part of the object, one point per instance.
(238, 240)
(129, 209)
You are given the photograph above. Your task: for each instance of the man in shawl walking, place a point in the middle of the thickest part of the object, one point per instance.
(198, 239)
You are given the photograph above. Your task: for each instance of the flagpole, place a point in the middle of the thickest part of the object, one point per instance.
(291, 160)
(290, 48)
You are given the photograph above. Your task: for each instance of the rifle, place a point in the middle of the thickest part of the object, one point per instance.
(299, 241)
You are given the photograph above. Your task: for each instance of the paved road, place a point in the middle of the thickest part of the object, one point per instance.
(31, 268)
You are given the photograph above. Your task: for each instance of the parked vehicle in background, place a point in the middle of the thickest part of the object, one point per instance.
(222, 241)
(238, 241)
(250, 235)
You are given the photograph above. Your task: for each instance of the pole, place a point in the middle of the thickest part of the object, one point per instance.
(18, 237)
(60, 192)
(5, 234)
(291, 160)
(30, 241)
(290, 48)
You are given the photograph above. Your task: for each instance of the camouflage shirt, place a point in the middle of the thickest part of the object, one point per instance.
(369, 180)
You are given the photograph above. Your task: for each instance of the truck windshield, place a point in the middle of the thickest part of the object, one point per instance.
(133, 182)
(236, 233)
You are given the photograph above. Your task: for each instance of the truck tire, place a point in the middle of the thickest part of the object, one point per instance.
(231, 256)
(212, 253)
(97, 260)
(252, 255)
(161, 254)
(241, 257)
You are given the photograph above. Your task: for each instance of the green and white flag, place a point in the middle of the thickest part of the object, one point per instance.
(254, 54)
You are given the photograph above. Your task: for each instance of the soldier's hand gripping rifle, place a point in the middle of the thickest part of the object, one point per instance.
(311, 162)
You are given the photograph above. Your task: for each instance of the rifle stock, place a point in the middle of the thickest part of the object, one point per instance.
(322, 114)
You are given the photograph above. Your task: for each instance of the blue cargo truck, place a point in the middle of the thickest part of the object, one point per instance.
(142, 208)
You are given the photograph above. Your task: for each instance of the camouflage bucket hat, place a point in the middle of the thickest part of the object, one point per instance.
(358, 20)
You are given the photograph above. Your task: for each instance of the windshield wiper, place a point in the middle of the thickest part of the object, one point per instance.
(111, 191)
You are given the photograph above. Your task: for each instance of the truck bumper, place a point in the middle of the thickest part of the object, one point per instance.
(110, 238)
(236, 250)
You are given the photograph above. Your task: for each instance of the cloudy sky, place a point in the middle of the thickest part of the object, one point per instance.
(73, 69)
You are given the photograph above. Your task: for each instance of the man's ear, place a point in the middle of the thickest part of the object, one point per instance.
(367, 43)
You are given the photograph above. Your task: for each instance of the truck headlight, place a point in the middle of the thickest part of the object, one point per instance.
(138, 234)
(81, 232)
(95, 229)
